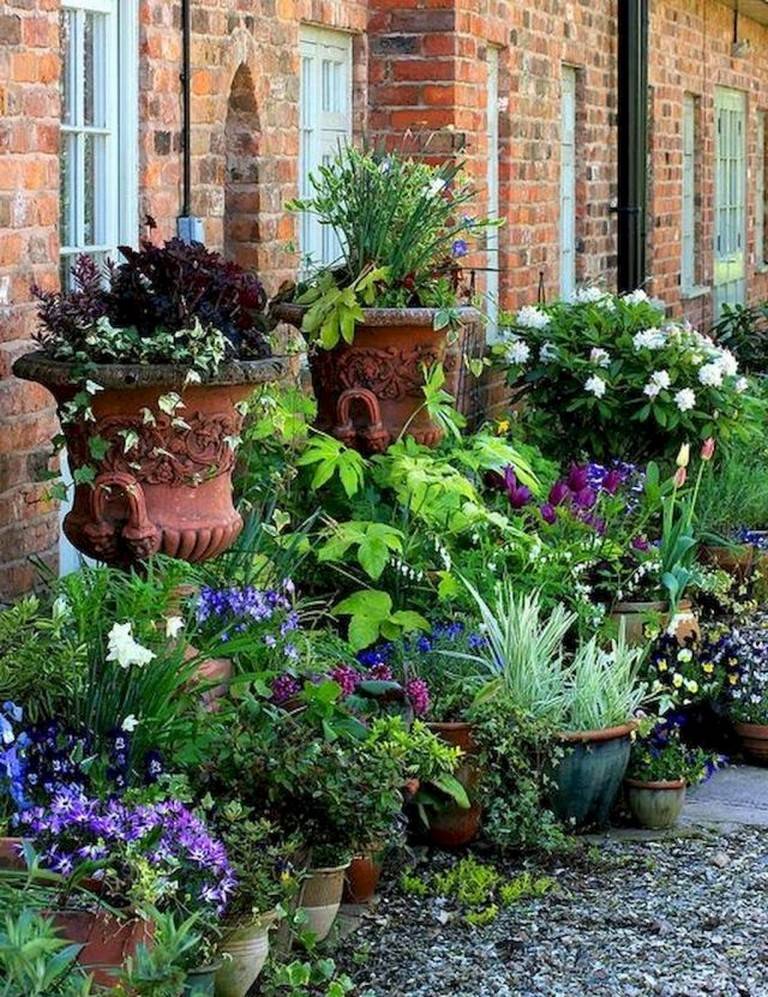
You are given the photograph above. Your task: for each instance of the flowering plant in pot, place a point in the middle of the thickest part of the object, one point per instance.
(745, 648)
(609, 375)
(661, 766)
(151, 364)
(143, 856)
(377, 316)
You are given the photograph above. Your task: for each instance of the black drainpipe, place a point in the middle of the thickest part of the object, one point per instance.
(189, 229)
(632, 142)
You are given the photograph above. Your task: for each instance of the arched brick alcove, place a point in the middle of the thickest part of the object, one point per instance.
(242, 198)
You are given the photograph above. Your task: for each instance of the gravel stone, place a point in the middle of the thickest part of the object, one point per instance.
(678, 917)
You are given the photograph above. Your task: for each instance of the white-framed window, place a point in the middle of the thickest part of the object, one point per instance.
(760, 190)
(492, 184)
(99, 128)
(325, 105)
(98, 155)
(568, 182)
(688, 242)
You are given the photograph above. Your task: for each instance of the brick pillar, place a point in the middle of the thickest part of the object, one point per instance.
(29, 180)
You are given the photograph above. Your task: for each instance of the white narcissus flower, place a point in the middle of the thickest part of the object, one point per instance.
(130, 724)
(711, 374)
(599, 357)
(529, 317)
(173, 626)
(125, 649)
(685, 399)
(595, 386)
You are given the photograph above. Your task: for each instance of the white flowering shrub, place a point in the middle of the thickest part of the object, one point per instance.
(610, 376)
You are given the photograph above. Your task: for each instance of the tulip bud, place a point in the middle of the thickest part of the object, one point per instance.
(708, 449)
(684, 455)
(680, 475)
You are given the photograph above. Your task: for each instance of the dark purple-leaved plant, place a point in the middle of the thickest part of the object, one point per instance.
(68, 315)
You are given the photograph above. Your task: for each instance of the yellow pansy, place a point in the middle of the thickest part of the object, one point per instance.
(677, 680)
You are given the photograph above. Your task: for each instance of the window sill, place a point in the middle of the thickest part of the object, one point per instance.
(763, 268)
(690, 293)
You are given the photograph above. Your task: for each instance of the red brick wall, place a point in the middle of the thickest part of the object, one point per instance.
(418, 64)
(696, 57)
(29, 115)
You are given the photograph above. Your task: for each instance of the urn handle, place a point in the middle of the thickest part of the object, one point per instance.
(139, 534)
(375, 435)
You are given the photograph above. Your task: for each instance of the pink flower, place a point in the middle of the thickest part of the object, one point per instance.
(417, 691)
(708, 449)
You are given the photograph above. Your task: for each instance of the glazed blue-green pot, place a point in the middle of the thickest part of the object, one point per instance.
(587, 779)
(201, 982)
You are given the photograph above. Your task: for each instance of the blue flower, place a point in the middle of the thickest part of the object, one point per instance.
(460, 248)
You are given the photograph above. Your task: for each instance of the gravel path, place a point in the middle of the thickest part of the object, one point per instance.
(680, 916)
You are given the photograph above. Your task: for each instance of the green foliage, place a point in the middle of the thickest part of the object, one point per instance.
(42, 662)
(744, 329)
(331, 457)
(319, 978)
(35, 961)
(661, 756)
(160, 969)
(413, 885)
(438, 404)
(610, 377)
(375, 542)
(603, 687)
(734, 494)
(371, 617)
(334, 310)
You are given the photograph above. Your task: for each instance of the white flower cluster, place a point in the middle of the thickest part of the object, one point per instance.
(517, 351)
(599, 357)
(530, 317)
(660, 379)
(125, 649)
(595, 386)
(635, 297)
(548, 352)
(594, 296)
(650, 339)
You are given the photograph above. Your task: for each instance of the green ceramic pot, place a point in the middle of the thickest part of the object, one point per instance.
(588, 777)
(655, 805)
(202, 982)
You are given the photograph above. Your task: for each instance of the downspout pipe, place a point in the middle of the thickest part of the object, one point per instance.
(189, 228)
(632, 143)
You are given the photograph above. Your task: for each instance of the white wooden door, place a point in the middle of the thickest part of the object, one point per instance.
(568, 182)
(326, 125)
(730, 199)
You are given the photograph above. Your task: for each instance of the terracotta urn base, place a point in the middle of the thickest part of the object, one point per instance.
(106, 940)
(655, 805)
(454, 826)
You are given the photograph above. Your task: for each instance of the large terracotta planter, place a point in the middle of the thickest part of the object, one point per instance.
(655, 805)
(754, 741)
(367, 391)
(587, 779)
(11, 856)
(244, 948)
(634, 616)
(455, 826)
(320, 898)
(106, 940)
(164, 482)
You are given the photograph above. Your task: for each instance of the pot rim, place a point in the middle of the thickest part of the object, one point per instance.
(454, 725)
(290, 312)
(326, 870)
(660, 784)
(606, 734)
(38, 366)
(748, 728)
(264, 919)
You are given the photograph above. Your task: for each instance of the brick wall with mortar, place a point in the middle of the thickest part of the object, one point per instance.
(418, 64)
(696, 57)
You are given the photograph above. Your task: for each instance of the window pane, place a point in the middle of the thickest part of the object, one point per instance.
(94, 81)
(66, 23)
(66, 190)
(95, 192)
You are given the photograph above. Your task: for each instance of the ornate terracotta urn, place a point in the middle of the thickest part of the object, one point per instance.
(370, 390)
(155, 456)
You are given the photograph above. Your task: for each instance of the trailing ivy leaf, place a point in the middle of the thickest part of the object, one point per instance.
(98, 447)
(58, 491)
(84, 475)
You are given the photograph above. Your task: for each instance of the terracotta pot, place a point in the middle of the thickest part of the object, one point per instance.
(587, 779)
(10, 854)
(455, 826)
(211, 670)
(635, 615)
(320, 898)
(201, 982)
(655, 805)
(362, 877)
(107, 941)
(368, 390)
(754, 741)
(245, 948)
(736, 561)
(171, 491)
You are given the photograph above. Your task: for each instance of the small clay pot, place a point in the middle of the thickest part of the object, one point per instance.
(320, 898)
(587, 779)
(736, 560)
(362, 877)
(754, 741)
(106, 940)
(455, 826)
(655, 805)
(11, 856)
(245, 948)
(634, 617)
(369, 390)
